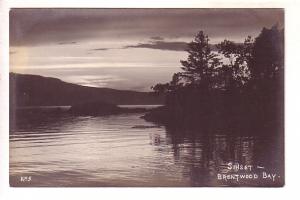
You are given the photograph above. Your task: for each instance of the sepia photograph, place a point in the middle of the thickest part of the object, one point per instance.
(146, 97)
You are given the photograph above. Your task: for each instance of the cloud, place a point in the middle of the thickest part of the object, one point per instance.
(101, 49)
(157, 43)
(161, 45)
(169, 46)
(156, 38)
(63, 43)
(31, 27)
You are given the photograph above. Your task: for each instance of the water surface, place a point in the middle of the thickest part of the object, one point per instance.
(125, 150)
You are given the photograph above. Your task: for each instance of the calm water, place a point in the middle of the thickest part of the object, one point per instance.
(125, 150)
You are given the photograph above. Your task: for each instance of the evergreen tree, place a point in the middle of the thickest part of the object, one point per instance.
(200, 66)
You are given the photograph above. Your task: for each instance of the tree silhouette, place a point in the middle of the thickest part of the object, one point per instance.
(241, 86)
(199, 68)
(235, 73)
(268, 54)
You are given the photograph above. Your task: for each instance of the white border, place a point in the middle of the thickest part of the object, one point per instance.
(149, 4)
(292, 100)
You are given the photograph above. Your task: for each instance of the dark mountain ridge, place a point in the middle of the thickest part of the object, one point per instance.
(34, 90)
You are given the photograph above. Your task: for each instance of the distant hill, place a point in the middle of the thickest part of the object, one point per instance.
(33, 90)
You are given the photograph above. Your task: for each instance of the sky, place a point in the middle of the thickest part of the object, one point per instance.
(128, 49)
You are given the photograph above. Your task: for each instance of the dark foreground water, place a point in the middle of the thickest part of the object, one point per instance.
(125, 150)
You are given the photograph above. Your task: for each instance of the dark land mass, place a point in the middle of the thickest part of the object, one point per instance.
(251, 112)
(34, 90)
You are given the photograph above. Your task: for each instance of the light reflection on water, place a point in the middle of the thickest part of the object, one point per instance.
(125, 150)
